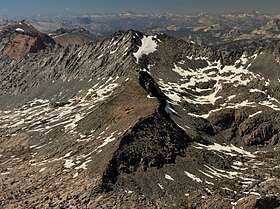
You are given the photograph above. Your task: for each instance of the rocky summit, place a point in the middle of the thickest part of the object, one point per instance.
(136, 121)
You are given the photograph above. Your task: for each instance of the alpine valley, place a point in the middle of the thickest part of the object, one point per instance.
(138, 120)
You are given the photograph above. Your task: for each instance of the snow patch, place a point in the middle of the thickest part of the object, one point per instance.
(206, 174)
(19, 30)
(107, 140)
(256, 90)
(73, 124)
(83, 165)
(42, 170)
(209, 182)
(160, 186)
(69, 163)
(33, 146)
(168, 177)
(128, 191)
(230, 97)
(76, 175)
(169, 110)
(226, 149)
(259, 112)
(221, 173)
(270, 105)
(252, 193)
(68, 154)
(193, 177)
(100, 56)
(148, 46)
(5, 173)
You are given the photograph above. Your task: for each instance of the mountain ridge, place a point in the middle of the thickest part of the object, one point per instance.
(138, 120)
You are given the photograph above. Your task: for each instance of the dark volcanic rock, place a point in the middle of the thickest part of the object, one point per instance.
(152, 142)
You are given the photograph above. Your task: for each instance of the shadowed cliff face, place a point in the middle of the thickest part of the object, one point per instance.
(137, 121)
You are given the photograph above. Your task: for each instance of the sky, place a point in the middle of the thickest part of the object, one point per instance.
(31, 7)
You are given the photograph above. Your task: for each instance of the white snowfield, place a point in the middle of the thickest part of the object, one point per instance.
(237, 75)
(192, 77)
(148, 46)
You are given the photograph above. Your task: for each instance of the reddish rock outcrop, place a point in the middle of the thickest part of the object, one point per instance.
(25, 39)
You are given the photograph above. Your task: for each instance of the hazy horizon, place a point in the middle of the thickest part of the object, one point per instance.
(36, 7)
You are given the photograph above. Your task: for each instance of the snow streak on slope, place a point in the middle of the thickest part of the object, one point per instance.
(205, 86)
(39, 115)
(193, 177)
(226, 149)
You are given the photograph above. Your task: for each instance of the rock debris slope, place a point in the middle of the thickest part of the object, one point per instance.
(77, 36)
(138, 121)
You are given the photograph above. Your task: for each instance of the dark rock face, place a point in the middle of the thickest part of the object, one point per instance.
(261, 135)
(152, 142)
(152, 88)
(223, 119)
(138, 121)
(260, 203)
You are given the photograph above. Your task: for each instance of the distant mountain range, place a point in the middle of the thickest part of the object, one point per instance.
(206, 29)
